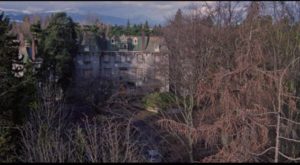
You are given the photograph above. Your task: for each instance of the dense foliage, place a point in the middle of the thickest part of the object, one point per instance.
(135, 29)
(59, 47)
(16, 94)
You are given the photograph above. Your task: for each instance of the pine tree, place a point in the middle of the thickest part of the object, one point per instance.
(60, 46)
(178, 16)
(15, 93)
(8, 50)
(128, 29)
(146, 28)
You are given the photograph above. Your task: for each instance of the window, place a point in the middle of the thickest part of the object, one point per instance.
(139, 73)
(112, 56)
(112, 41)
(118, 58)
(123, 68)
(128, 58)
(130, 85)
(151, 75)
(132, 73)
(157, 58)
(86, 59)
(86, 49)
(156, 49)
(87, 73)
(140, 58)
(135, 41)
(107, 72)
(123, 58)
(86, 62)
(106, 58)
(123, 71)
(145, 79)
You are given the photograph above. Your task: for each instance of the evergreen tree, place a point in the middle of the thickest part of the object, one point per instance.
(253, 12)
(60, 46)
(135, 30)
(13, 91)
(6, 54)
(16, 94)
(178, 16)
(128, 28)
(159, 30)
(35, 29)
(146, 28)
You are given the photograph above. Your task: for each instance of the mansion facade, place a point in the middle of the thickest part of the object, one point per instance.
(136, 64)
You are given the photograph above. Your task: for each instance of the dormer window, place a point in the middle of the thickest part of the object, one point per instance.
(135, 41)
(156, 49)
(140, 58)
(129, 57)
(123, 38)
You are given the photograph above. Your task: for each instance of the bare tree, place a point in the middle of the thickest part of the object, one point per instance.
(49, 136)
(45, 132)
(225, 80)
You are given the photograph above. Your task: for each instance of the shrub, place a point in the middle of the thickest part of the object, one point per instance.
(158, 100)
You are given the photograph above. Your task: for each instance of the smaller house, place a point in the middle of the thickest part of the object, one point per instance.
(26, 55)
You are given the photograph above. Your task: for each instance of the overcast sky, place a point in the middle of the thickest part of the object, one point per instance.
(156, 10)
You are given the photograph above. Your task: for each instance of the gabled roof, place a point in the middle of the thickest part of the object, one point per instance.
(153, 43)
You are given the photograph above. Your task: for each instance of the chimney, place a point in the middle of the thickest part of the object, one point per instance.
(143, 38)
(33, 49)
(21, 38)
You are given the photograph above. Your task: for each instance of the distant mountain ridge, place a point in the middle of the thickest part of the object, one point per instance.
(18, 17)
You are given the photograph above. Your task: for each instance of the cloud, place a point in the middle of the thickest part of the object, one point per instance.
(31, 10)
(12, 10)
(58, 10)
(25, 11)
(157, 10)
(164, 6)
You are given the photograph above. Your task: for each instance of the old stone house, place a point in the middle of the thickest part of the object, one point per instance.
(27, 54)
(136, 63)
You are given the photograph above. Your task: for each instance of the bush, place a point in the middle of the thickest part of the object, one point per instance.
(158, 100)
